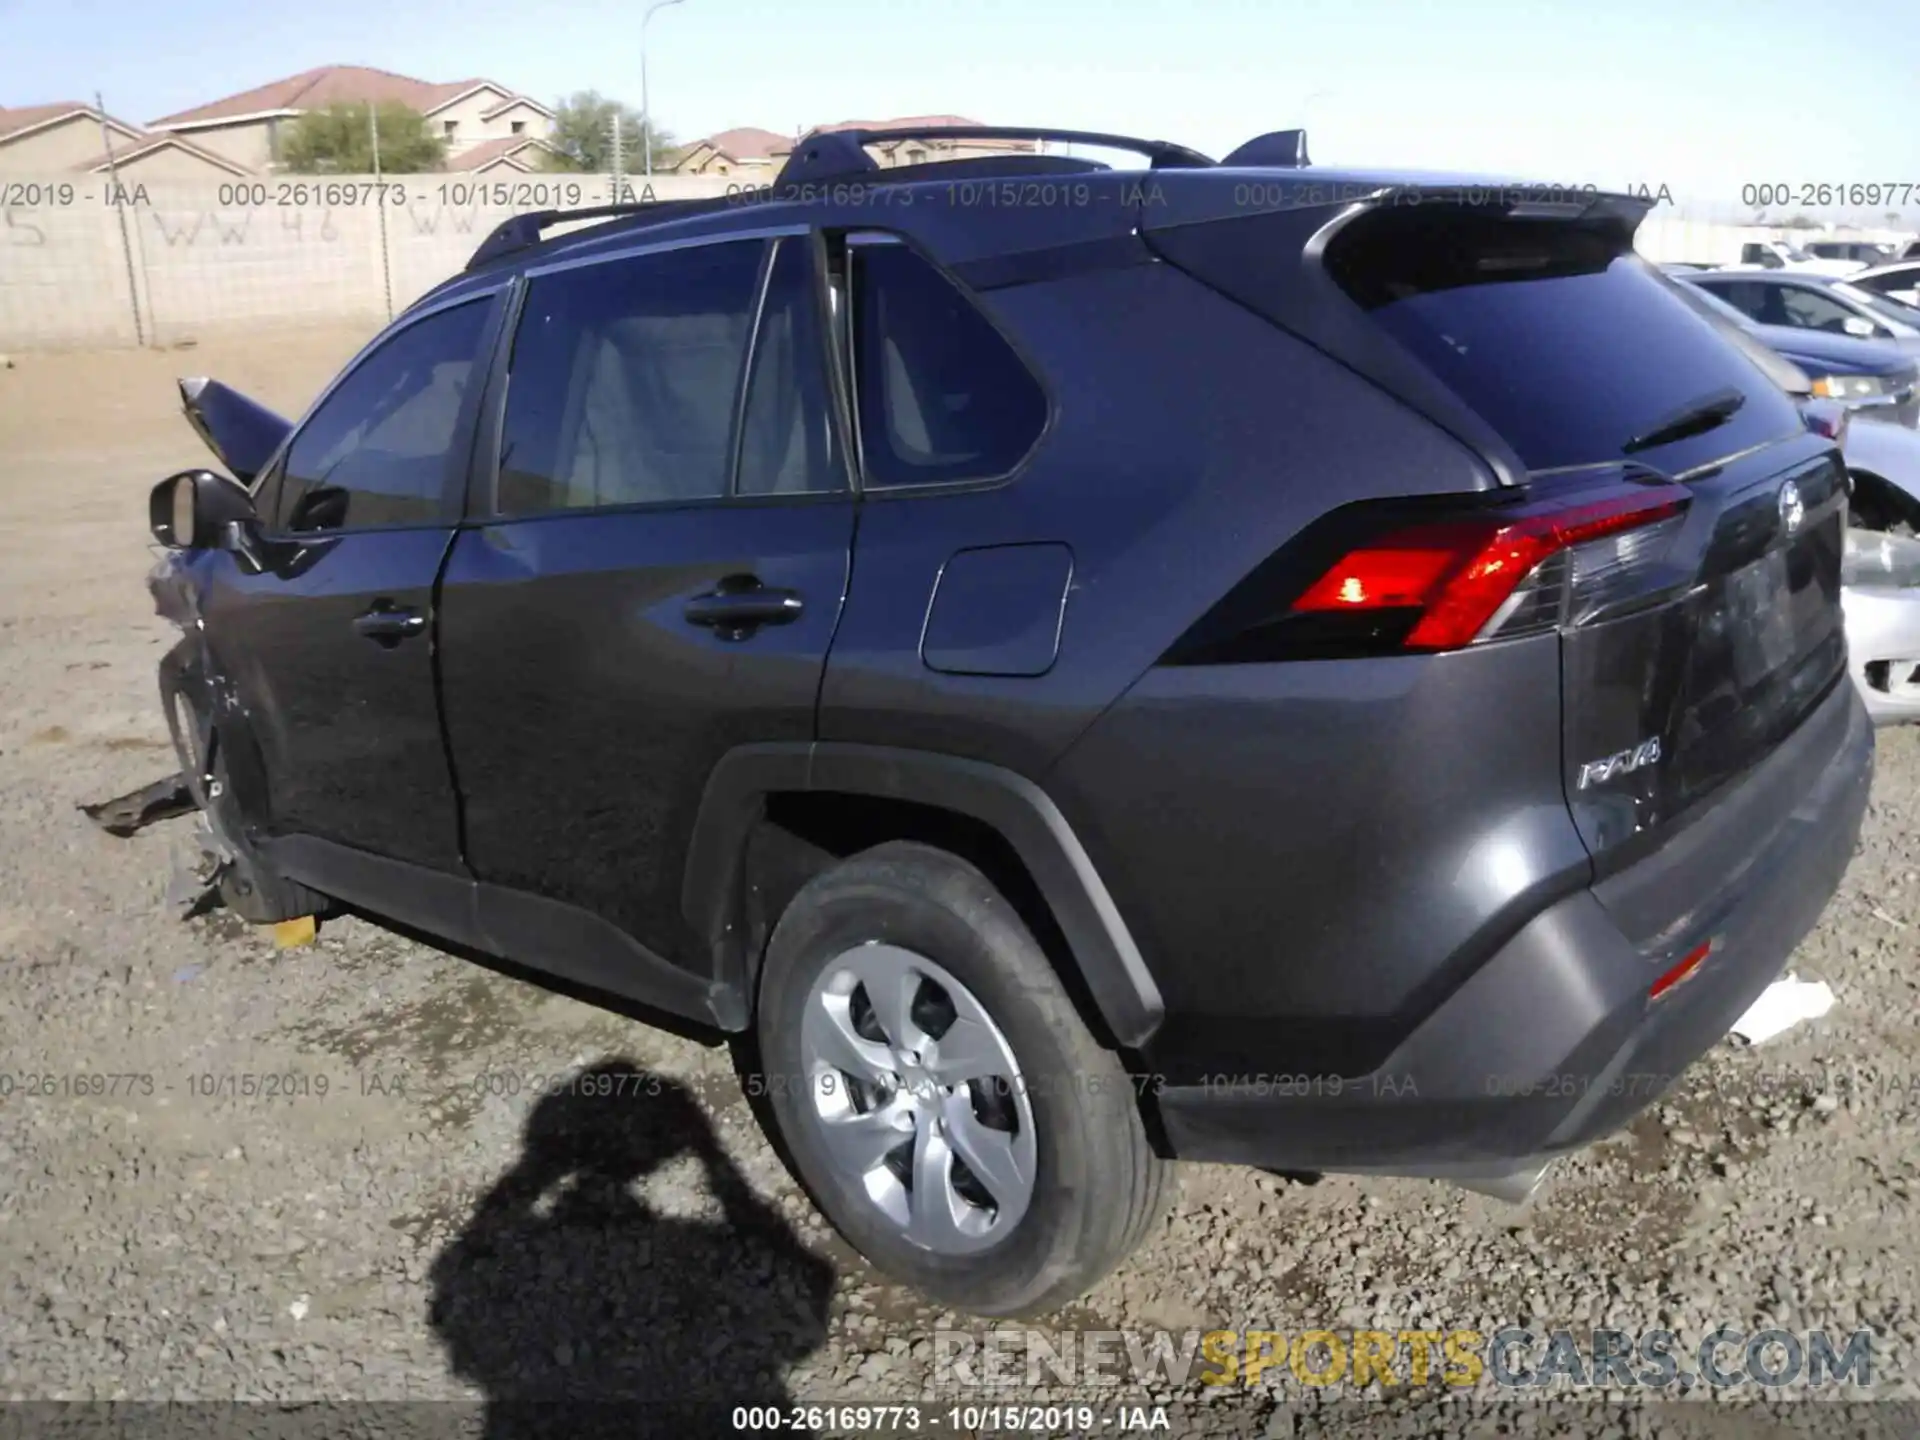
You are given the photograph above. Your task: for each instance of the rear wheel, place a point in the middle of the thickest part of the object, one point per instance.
(939, 1095)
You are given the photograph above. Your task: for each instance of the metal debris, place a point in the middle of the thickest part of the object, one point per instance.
(193, 888)
(126, 814)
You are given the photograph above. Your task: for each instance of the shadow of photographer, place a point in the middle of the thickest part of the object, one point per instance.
(579, 1308)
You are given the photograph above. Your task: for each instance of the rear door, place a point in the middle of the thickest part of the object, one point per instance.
(329, 643)
(1699, 643)
(1690, 648)
(655, 570)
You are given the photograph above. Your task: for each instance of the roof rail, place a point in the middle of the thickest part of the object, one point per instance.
(520, 232)
(832, 154)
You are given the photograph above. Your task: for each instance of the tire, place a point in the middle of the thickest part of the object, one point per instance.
(1094, 1185)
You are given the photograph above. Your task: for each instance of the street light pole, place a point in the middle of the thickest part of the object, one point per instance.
(646, 110)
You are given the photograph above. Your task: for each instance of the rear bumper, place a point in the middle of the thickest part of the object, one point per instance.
(1555, 1042)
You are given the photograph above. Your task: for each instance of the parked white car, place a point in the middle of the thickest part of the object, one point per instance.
(1880, 565)
(1880, 593)
(1784, 255)
(1898, 281)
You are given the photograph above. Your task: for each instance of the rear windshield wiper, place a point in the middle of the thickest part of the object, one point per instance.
(1694, 418)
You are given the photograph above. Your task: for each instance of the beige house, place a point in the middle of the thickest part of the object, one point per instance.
(249, 128)
(759, 154)
(72, 138)
(509, 154)
(747, 150)
(917, 152)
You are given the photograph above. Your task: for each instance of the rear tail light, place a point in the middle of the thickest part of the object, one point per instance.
(1501, 574)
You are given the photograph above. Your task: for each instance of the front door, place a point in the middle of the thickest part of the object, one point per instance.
(329, 644)
(656, 573)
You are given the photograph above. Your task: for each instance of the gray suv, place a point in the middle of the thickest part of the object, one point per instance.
(1084, 667)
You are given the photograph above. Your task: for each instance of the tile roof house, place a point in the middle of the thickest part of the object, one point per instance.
(915, 152)
(248, 127)
(762, 151)
(71, 137)
(746, 148)
(520, 153)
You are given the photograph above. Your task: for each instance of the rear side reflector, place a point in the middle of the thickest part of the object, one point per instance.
(1501, 573)
(1681, 971)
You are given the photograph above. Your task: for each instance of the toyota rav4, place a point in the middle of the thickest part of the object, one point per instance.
(1085, 666)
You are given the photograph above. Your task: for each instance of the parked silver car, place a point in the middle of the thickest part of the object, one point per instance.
(1880, 592)
(1880, 571)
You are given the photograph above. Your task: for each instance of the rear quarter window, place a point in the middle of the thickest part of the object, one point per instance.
(941, 396)
(1566, 343)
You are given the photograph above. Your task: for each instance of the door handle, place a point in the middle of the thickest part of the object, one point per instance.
(737, 612)
(387, 624)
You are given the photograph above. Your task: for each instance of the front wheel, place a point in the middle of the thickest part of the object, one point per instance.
(941, 1098)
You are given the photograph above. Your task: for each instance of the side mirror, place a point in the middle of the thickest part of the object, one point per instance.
(1860, 326)
(198, 510)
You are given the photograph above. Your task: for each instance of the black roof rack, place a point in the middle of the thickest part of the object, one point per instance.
(520, 232)
(832, 154)
(837, 154)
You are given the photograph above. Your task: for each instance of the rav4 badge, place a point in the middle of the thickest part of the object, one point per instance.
(1624, 762)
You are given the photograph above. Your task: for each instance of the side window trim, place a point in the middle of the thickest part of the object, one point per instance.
(845, 343)
(829, 305)
(769, 254)
(453, 482)
(480, 497)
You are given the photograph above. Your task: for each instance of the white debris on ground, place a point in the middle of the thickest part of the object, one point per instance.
(1785, 1003)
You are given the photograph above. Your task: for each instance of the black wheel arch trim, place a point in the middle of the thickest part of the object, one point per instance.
(1022, 813)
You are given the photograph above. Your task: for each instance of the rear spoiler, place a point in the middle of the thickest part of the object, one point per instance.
(1262, 243)
(1514, 199)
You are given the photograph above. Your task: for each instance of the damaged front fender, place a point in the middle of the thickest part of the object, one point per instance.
(175, 591)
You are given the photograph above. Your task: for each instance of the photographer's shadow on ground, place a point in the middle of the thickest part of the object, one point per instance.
(579, 1309)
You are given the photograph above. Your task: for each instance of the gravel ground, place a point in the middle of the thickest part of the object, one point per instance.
(404, 1219)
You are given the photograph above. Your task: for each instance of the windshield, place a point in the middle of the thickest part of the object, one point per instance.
(1883, 305)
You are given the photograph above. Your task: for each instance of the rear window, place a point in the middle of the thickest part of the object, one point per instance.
(1566, 345)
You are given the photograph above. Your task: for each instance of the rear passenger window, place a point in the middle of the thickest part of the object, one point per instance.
(625, 379)
(788, 443)
(940, 394)
(376, 451)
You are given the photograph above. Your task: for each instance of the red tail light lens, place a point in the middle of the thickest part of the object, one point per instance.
(1501, 574)
(1688, 964)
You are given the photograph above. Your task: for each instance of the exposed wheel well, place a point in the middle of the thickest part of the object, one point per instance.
(802, 833)
(1878, 504)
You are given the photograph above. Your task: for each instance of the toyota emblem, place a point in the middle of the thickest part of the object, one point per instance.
(1793, 510)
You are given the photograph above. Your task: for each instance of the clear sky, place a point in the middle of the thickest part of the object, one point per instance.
(1700, 95)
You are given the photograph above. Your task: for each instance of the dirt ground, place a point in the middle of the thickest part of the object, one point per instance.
(324, 1173)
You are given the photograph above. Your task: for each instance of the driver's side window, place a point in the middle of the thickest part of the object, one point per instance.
(377, 451)
(1815, 312)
